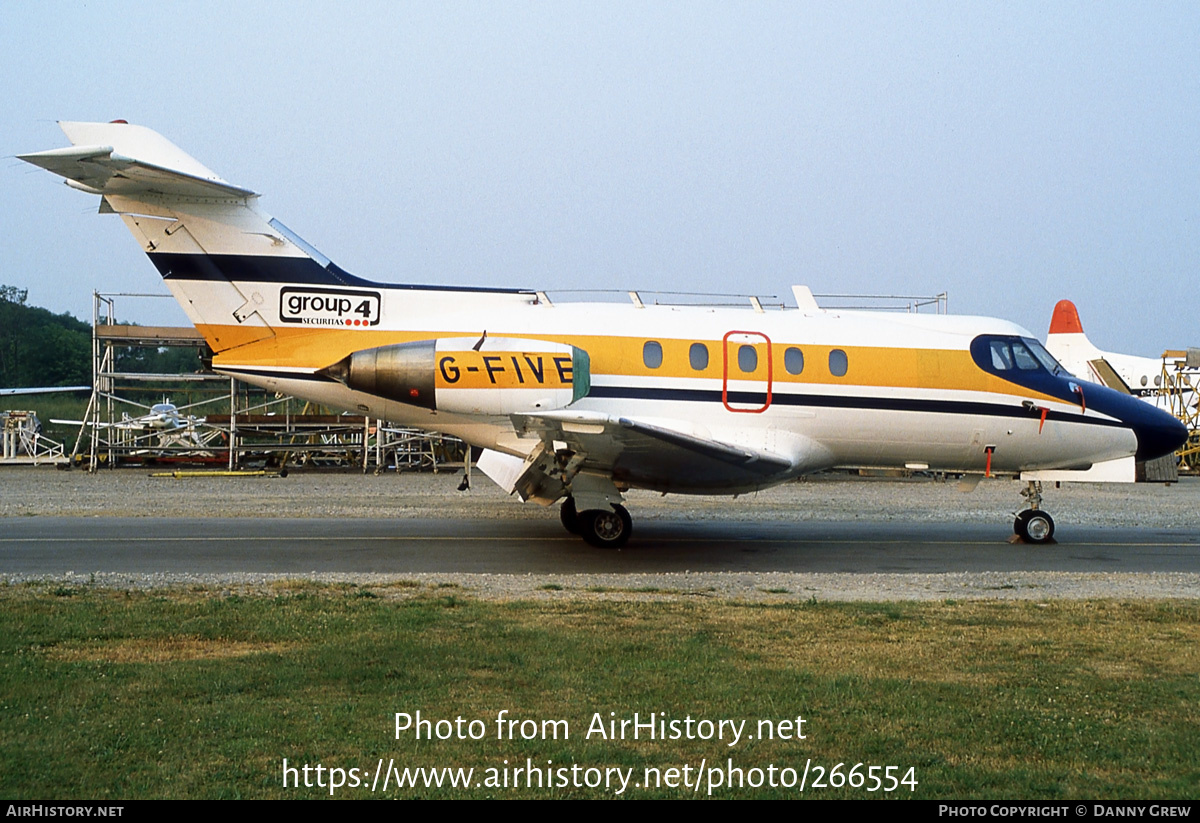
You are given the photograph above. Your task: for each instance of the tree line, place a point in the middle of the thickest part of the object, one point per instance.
(40, 348)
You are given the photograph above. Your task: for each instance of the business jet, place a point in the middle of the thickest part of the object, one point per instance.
(580, 402)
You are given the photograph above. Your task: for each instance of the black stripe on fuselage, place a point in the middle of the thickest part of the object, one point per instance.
(286, 270)
(832, 401)
(758, 399)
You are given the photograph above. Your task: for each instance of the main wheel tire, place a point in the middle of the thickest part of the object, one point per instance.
(606, 528)
(1034, 526)
(570, 518)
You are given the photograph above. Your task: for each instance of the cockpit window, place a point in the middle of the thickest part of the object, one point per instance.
(1019, 359)
(1022, 353)
(1023, 358)
(1045, 358)
(1001, 355)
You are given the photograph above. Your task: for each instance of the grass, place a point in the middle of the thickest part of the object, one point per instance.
(124, 695)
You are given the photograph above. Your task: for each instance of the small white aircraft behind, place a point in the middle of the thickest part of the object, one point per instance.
(165, 420)
(164, 416)
(581, 401)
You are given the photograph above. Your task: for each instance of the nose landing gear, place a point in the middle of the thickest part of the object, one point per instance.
(1034, 525)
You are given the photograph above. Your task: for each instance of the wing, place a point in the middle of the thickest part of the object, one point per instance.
(654, 455)
(84, 423)
(43, 390)
(645, 454)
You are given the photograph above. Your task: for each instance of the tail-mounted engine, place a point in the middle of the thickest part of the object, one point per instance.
(468, 375)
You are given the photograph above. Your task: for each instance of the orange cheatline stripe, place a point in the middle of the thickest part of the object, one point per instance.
(611, 355)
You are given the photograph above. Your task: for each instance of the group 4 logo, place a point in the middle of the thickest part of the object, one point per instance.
(329, 307)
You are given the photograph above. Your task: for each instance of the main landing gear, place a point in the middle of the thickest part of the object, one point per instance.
(1034, 525)
(604, 528)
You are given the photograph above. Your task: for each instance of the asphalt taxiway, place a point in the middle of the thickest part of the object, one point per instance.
(214, 545)
(828, 537)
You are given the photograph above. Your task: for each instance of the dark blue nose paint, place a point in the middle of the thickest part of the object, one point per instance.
(1158, 433)
(1026, 363)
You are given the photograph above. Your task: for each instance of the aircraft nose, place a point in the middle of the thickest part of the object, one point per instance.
(1158, 432)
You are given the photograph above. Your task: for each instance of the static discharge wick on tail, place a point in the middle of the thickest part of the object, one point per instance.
(694, 400)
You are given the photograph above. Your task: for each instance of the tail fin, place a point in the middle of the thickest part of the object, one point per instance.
(207, 237)
(1065, 319)
(1067, 342)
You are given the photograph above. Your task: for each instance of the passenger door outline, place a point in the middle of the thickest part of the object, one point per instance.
(729, 345)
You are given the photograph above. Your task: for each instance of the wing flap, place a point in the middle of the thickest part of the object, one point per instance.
(762, 462)
(653, 455)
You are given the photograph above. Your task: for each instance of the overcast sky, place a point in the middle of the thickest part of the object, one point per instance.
(1010, 154)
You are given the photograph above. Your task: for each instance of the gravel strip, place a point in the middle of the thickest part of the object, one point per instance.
(774, 587)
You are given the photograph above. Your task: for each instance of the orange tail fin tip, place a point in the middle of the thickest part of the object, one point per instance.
(1065, 319)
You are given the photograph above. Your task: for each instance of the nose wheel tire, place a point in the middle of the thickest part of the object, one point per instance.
(1034, 526)
(606, 528)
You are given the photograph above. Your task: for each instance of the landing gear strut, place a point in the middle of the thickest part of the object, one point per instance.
(1034, 525)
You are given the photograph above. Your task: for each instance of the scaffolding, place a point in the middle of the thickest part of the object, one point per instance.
(1180, 392)
(22, 441)
(231, 423)
(109, 433)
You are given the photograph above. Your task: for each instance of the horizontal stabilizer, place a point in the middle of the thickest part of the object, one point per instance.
(122, 159)
(1108, 375)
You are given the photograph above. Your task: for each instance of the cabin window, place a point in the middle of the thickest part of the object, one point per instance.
(698, 356)
(838, 363)
(652, 354)
(747, 359)
(793, 360)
